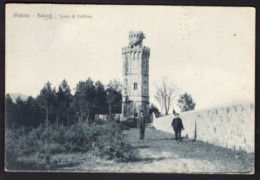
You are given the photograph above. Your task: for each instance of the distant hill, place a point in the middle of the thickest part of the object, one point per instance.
(14, 96)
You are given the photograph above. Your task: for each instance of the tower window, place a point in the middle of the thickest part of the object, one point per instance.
(135, 86)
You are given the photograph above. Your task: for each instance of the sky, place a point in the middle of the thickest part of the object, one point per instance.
(208, 52)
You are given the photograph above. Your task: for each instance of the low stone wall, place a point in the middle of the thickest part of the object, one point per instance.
(105, 117)
(231, 126)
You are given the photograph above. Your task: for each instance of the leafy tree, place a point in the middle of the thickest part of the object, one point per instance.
(20, 106)
(90, 98)
(111, 99)
(154, 109)
(115, 84)
(100, 98)
(84, 99)
(25, 113)
(47, 99)
(186, 103)
(78, 101)
(64, 99)
(128, 108)
(10, 111)
(32, 114)
(114, 97)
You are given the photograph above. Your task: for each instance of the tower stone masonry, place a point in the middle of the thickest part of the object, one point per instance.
(136, 76)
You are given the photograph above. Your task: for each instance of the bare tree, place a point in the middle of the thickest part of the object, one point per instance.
(159, 99)
(166, 93)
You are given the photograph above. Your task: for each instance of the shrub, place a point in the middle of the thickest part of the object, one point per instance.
(41, 144)
(110, 143)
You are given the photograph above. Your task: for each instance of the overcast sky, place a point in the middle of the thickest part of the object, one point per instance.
(207, 51)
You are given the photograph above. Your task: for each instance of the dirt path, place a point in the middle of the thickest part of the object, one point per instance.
(160, 153)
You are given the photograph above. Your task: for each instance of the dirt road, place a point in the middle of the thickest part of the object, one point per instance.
(160, 153)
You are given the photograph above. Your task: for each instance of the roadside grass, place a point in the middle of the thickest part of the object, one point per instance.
(38, 149)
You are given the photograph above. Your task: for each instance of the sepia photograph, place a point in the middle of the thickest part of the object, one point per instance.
(129, 89)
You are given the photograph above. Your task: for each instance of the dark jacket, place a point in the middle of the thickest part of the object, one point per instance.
(141, 123)
(177, 124)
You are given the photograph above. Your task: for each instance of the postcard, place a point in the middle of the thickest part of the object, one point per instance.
(130, 89)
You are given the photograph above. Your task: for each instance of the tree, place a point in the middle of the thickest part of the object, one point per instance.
(78, 100)
(10, 111)
(25, 113)
(20, 107)
(64, 99)
(32, 114)
(115, 84)
(114, 97)
(47, 99)
(166, 92)
(100, 98)
(154, 109)
(185, 102)
(84, 99)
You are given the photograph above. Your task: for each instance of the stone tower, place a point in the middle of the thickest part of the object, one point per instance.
(136, 76)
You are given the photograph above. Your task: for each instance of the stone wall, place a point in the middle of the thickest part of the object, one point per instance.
(231, 126)
(105, 117)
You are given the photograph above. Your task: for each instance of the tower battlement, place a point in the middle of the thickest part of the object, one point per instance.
(146, 50)
(128, 49)
(136, 38)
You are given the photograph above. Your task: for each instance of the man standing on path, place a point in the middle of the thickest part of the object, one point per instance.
(141, 124)
(178, 127)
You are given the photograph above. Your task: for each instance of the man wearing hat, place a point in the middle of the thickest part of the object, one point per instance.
(141, 124)
(177, 126)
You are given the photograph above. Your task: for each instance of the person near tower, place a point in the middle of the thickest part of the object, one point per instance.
(177, 127)
(141, 124)
(173, 112)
